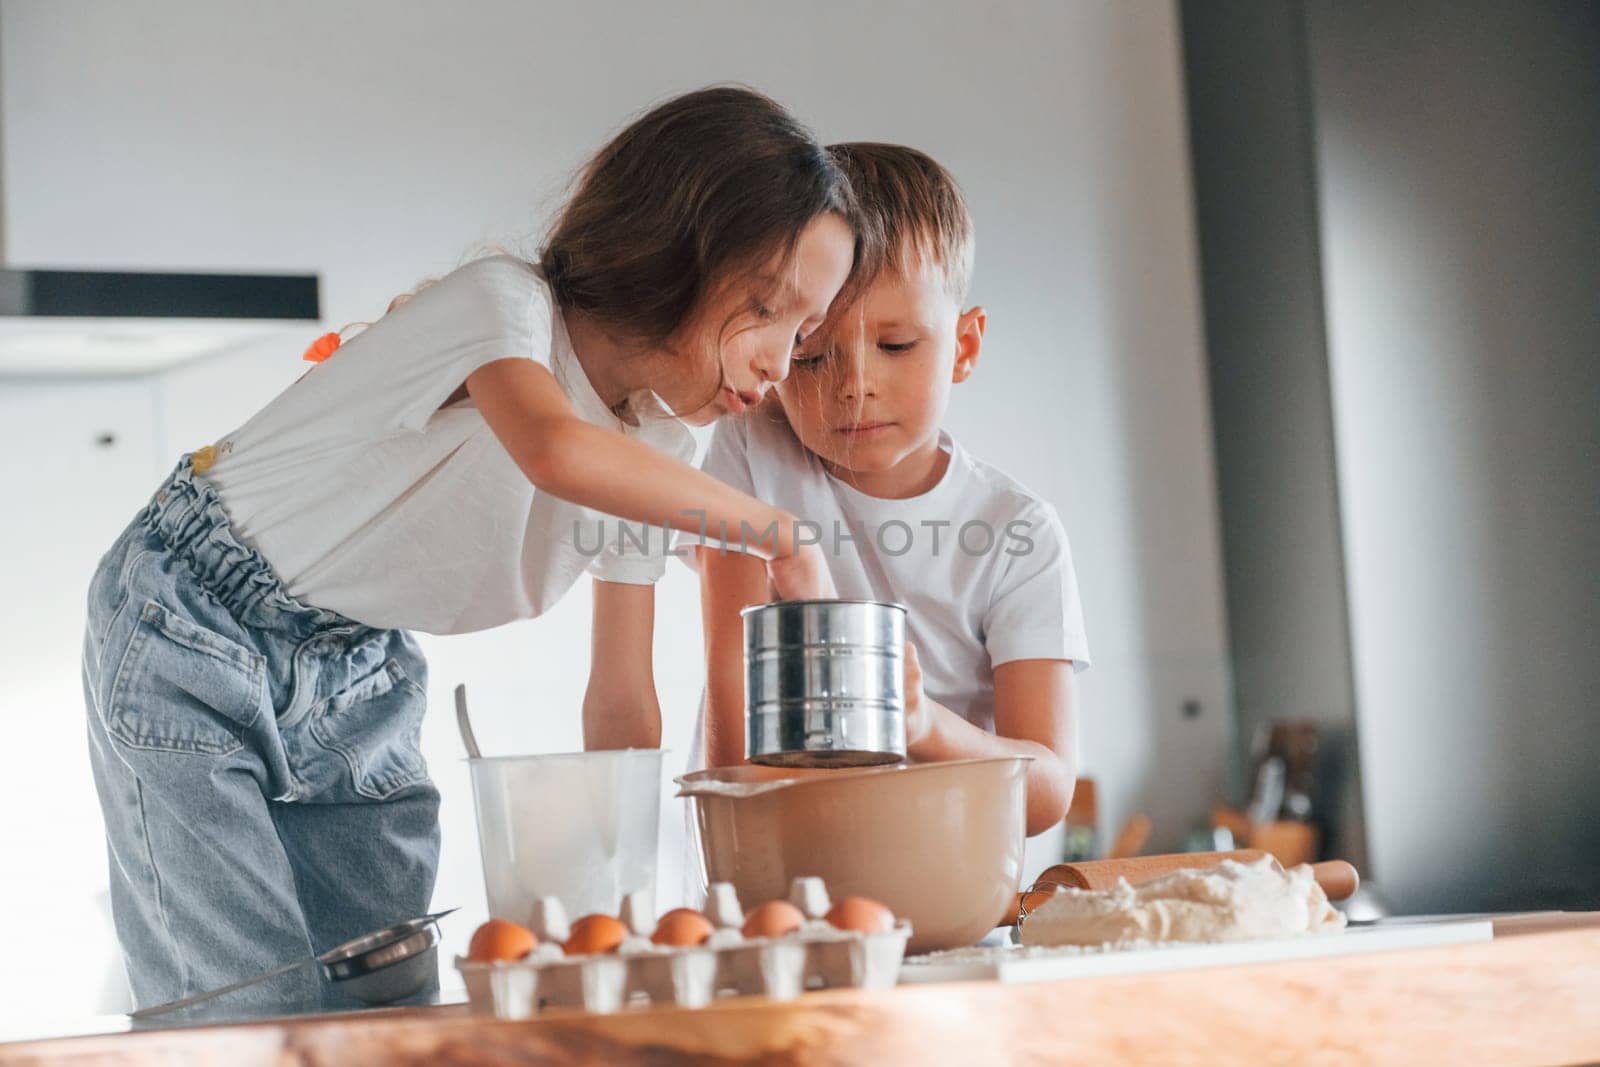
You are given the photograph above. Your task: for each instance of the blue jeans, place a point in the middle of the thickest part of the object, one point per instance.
(257, 759)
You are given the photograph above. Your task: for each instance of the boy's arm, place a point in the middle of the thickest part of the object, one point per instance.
(620, 709)
(729, 582)
(1034, 706)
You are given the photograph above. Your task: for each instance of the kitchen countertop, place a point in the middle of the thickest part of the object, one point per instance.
(1528, 996)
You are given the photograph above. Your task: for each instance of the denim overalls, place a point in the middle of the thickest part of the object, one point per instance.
(256, 758)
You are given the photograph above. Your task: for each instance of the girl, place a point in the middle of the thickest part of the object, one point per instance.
(254, 698)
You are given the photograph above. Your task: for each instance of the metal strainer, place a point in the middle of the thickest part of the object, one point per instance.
(377, 968)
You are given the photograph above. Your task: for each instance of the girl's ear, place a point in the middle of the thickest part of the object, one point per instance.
(969, 341)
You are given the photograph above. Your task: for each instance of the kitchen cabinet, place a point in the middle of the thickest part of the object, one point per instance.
(80, 458)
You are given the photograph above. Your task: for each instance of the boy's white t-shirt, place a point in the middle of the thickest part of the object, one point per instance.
(973, 601)
(372, 500)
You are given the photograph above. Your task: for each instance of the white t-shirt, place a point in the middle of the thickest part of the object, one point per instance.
(981, 564)
(370, 499)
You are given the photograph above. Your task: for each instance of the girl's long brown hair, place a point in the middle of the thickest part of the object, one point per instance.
(712, 182)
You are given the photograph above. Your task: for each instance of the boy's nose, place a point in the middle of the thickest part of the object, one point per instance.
(856, 382)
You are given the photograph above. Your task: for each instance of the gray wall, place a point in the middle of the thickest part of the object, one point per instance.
(1458, 152)
(1255, 194)
(1399, 216)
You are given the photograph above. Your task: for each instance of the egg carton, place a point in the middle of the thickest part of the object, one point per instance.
(815, 956)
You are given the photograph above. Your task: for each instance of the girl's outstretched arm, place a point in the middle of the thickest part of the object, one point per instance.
(604, 470)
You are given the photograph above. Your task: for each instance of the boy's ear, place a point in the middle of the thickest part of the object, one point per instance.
(969, 341)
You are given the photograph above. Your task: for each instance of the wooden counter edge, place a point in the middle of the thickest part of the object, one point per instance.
(1532, 998)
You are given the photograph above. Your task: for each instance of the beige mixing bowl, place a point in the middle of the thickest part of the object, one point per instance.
(939, 843)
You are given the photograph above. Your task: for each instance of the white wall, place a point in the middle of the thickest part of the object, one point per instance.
(52, 855)
(378, 143)
(1458, 151)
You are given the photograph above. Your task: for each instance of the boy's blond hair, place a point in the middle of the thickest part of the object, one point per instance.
(915, 207)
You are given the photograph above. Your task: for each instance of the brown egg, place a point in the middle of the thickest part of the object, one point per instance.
(682, 927)
(498, 939)
(775, 918)
(594, 934)
(862, 915)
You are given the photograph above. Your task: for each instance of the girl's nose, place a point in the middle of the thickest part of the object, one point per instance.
(773, 367)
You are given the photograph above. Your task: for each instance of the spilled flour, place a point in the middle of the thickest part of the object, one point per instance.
(1231, 902)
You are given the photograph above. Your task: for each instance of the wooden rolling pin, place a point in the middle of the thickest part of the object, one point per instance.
(1337, 878)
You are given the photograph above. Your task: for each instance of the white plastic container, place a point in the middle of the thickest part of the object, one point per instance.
(580, 827)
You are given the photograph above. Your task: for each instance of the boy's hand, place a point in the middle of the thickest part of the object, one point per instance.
(919, 713)
(802, 576)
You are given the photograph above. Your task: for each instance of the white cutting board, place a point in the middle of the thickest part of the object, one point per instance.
(1012, 964)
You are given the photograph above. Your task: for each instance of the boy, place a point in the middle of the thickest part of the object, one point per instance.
(853, 444)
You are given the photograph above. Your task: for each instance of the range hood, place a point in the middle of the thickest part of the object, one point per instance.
(63, 322)
(135, 322)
